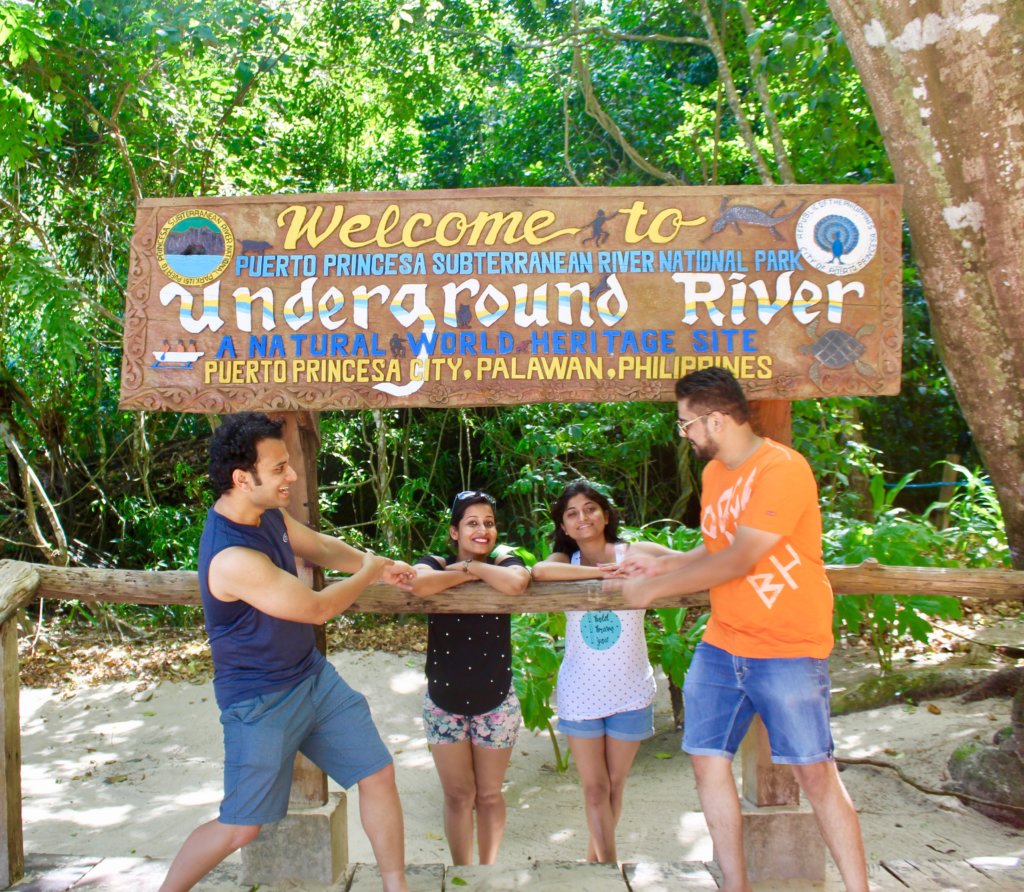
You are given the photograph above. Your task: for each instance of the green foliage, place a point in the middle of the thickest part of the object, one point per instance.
(168, 534)
(976, 535)
(829, 433)
(894, 536)
(537, 650)
(671, 642)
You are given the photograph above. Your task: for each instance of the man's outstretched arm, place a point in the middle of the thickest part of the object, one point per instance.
(243, 574)
(336, 554)
(704, 571)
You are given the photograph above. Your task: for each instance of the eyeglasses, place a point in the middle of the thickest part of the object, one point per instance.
(681, 425)
(471, 494)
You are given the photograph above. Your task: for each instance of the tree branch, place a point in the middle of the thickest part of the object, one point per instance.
(761, 84)
(594, 109)
(931, 791)
(575, 34)
(55, 554)
(565, 136)
(725, 74)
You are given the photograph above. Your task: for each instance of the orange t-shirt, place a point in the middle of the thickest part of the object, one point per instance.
(783, 608)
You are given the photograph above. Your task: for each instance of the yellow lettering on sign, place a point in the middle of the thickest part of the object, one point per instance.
(489, 228)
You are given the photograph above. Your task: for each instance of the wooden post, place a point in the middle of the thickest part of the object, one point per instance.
(12, 854)
(309, 846)
(18, 585)
(302, 437)
(780, 838)
(765, 783)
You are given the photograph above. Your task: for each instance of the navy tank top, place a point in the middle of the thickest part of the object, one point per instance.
(253, 653)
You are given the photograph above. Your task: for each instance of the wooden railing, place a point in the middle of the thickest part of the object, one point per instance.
(21, 583)
(181, 587)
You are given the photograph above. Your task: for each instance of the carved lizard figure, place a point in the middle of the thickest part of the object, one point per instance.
(751, 216)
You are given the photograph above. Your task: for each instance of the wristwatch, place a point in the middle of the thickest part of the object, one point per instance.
(465, 565)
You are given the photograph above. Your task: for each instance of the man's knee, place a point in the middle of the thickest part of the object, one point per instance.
(242, 834)
(712, 769)
(817, 778)
(380, 779)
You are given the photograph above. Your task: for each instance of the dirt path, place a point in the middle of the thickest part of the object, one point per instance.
(110, 771)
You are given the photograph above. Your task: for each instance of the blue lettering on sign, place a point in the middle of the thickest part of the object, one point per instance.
(600, 629)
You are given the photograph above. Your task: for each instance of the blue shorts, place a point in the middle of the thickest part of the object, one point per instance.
(321, 717)
(636, 724)
(722, 693)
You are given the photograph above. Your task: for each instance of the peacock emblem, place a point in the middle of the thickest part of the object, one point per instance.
(836, 234)
(836, 349)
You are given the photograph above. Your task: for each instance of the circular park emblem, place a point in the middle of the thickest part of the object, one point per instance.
(194, 247)
(836, 236)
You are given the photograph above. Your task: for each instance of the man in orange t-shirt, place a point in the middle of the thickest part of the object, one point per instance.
(766, 647)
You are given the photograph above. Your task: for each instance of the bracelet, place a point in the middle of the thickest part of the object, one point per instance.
(465, 565)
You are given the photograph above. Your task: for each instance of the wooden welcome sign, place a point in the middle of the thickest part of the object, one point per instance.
(500, 296)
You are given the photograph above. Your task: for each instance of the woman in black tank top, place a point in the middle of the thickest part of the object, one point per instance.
(470, 711)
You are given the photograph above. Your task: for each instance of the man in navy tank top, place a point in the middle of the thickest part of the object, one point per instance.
(277, 693)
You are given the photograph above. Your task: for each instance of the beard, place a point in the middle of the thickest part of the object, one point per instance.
(705, 451)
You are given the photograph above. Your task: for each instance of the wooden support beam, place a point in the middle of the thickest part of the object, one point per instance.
(763, 782)
(12, 851)
(302, 437)
(181, 587)
(19, 583)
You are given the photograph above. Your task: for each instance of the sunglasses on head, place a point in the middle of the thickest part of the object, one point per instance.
(468, 494)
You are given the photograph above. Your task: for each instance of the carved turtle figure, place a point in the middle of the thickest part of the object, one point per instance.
(836, 349)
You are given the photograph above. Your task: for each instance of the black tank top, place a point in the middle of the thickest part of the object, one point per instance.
(469, 655)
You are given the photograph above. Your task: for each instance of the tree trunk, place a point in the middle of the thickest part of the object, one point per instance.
(944, 79)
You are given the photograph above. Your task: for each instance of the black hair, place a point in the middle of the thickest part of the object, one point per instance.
(714, 390)
(469, 497)
(234, 446)
(564, 543)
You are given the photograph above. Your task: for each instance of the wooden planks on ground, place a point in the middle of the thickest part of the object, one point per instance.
(69, 873)
(956, 876)
(650, 877)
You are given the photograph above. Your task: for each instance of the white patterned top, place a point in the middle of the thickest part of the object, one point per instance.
(605, 669)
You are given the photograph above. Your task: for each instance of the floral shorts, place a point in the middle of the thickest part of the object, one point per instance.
(497, 729)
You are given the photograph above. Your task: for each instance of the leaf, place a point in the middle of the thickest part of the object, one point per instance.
(664, 755)
(459, 881)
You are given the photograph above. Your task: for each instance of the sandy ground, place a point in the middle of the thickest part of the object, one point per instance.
(112, 771)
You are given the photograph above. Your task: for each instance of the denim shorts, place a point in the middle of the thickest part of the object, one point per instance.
(722, 693)
(321, 717)
(497, 729)
(636, 724)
